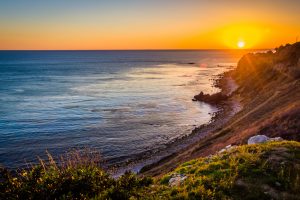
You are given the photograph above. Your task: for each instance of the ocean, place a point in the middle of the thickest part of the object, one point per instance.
(122, 103)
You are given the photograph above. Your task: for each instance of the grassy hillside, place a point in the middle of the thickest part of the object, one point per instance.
(263, 171)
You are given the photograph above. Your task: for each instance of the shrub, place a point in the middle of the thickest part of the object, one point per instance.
(78, 175)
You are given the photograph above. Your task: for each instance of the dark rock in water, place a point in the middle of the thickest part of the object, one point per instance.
(191, 63)
(215, 99)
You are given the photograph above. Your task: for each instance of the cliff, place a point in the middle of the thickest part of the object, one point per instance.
(269, 92)
(269, 89)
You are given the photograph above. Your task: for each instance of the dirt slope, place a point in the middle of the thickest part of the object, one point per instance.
(269, 90)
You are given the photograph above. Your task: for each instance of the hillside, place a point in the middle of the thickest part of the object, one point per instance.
(269, 92)
(265, 171)
(260, 171)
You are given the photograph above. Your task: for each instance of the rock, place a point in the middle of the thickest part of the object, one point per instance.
(216, 98)
(176, 180)
(228, 147)
(222, 150)
(275, 139)
(258, 139)
(262, 138)
(277, 184)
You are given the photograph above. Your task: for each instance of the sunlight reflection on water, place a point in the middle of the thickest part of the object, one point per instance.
(122, 107)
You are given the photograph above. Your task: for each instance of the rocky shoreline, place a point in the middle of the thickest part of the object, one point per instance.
(266, 102)
(227, 108)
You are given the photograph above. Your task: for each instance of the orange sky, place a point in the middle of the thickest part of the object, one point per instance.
(164, 24)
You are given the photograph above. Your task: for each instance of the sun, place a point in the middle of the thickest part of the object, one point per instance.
(241, 36)
(241, 44)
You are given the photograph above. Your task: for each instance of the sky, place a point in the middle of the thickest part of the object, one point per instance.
(141, 24)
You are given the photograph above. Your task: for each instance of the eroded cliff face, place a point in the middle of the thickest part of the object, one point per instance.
(269, 90)
(284, 61)
(269, 87)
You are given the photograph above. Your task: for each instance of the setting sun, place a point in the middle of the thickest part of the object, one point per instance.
(146, 25)
(241, 44)
(235, 35)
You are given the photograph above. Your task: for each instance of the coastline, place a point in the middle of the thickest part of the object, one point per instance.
(123, 122)
(143, 163)
(265, 104)
(226, 110)
(268, 96)
(265, 101)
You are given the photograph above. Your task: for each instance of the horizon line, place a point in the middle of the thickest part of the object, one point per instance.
(204, 49)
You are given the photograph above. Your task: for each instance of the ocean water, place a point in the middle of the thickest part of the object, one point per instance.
(122, 103)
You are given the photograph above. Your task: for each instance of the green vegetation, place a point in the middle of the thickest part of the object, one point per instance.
(263, 171)
(77, 177)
